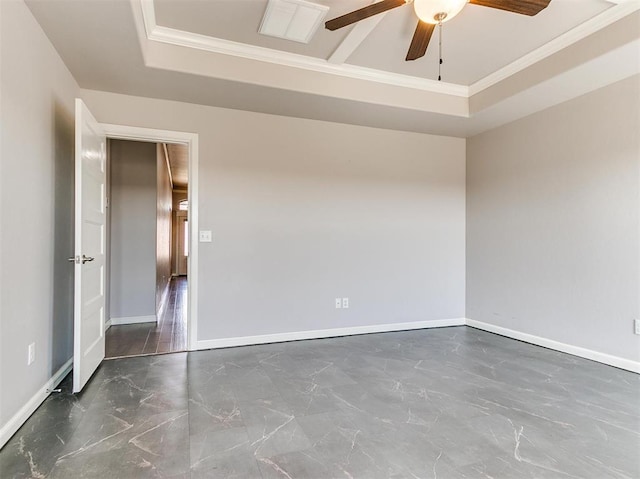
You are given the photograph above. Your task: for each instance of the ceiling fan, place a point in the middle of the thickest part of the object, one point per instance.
(431, 13)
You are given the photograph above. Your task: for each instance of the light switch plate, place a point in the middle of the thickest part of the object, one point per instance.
(205, 236)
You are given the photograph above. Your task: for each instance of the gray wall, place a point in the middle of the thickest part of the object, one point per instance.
(553, 219)
(133, 206)
(304, 211)
(163, 226)
(36, 207)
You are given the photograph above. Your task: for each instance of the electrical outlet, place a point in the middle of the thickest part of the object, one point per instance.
(31, 354)
(636, 326)
(205, 236)
(345, 303)
(338, 303)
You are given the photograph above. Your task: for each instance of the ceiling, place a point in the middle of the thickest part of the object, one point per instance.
(498, 66)
(473, 44)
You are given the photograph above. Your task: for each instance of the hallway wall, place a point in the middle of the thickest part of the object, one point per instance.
(133, 209)
(164, 209)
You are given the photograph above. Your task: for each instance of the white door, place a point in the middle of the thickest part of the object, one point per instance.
(89, 259)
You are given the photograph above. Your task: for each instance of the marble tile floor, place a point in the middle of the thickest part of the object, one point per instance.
(441, 403)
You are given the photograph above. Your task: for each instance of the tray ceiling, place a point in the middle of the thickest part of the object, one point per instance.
(476, 43)
(498, 66)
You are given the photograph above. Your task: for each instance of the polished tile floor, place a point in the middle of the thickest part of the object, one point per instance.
(167, 336)
(440, 403)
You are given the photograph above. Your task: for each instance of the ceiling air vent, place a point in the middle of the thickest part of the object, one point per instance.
(295, 20)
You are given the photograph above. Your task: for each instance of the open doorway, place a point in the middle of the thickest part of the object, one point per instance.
(148, 247)
(92, 281)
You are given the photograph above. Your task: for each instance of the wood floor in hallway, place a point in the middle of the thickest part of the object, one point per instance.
(168, 335)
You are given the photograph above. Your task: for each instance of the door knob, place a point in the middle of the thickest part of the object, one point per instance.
(76, 259)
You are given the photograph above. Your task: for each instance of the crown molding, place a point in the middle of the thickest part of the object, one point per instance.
(148, 16)
(183, 38)
(227, 47)
(604, 19)
(162, 34)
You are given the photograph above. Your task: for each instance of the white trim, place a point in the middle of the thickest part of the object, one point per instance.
(354, 38)
(251, 52)
(183, 38)
(565, 40)
(151, 318)
(148, 16)
(192, 260)
(326, 333)
(123, 132)
(609, 359)
(19, 418)
(107, 324)
(158, 33)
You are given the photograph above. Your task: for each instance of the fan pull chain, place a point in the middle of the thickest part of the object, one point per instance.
(439, 50)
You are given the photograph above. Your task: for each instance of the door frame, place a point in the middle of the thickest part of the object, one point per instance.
(133, 133)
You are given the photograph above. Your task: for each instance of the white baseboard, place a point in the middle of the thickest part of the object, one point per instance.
(325, 333)
(133, 320)
(10, 428)
(19, 418)
(107, 325)
(609, 359)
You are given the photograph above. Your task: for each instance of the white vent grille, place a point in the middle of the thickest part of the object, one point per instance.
(295, 20)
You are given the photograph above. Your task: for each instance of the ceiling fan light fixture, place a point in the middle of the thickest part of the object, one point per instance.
(438, 11)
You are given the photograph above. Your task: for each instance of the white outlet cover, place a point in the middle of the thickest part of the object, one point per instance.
(205, 236)
(338, 303)
(345, 303)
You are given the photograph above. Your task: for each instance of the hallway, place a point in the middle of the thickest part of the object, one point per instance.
(168, 335)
